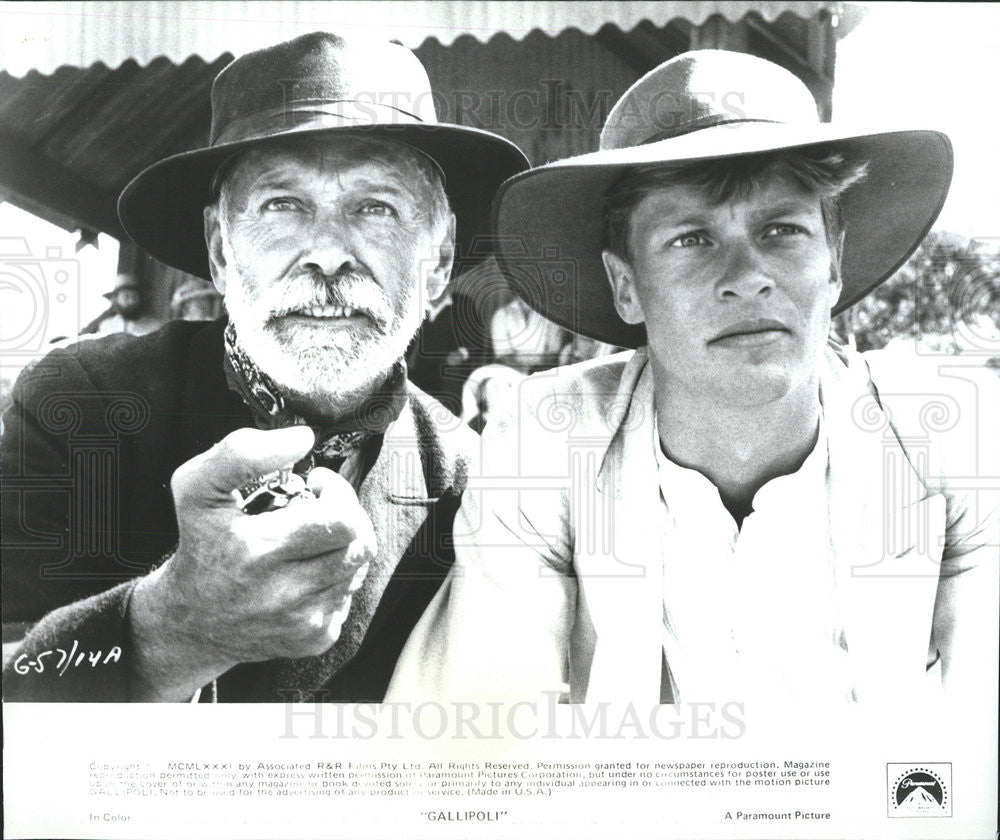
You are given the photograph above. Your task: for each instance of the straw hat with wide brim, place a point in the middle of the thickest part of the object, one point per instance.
(708, 104)
(316, 84)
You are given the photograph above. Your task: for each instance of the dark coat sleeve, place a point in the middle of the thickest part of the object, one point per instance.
(55, 444)
(53, 556)
(76, 653)
(86, 455)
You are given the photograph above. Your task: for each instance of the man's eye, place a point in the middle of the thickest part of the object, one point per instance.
(784, 229)
(281, 204)
(377, 208)
(689, 240)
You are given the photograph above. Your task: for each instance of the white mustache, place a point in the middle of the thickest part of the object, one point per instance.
(354, 290)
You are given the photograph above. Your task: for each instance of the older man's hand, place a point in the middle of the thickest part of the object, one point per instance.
(245, 588)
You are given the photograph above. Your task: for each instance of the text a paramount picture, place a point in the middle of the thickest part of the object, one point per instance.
(482, 420)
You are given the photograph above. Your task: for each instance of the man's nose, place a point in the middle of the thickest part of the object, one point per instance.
(744, 274)
(328, 246)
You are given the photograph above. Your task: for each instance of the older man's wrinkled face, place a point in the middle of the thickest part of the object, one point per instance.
(327, 252)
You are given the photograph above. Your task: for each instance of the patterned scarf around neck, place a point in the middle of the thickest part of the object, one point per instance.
(336, 438)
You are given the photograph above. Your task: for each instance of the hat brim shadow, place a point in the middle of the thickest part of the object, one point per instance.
(550, 227)
(161, 209)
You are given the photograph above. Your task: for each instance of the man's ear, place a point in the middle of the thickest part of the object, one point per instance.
(213, 241)
(438, 274)
(622, 280)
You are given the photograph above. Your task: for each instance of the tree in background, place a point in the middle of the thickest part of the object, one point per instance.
(946, 298)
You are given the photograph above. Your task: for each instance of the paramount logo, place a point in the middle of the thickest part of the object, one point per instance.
(919, 790)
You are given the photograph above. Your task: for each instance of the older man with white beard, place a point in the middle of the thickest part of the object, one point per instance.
(366, 295)
(274, 496)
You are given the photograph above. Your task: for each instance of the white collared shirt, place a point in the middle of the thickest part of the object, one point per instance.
(751, 611)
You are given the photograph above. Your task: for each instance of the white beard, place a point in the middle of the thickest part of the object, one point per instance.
(331, 371)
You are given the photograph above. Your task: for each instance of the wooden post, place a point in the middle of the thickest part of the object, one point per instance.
(821, 56)
(717, 33)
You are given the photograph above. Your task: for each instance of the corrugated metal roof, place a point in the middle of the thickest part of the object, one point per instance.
(72, 139)
(42, 35)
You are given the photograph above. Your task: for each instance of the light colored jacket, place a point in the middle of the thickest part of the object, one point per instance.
(558, 580)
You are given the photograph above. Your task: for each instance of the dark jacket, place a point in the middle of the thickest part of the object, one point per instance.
(89, 446)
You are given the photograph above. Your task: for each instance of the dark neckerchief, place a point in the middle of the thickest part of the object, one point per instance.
(336, 438)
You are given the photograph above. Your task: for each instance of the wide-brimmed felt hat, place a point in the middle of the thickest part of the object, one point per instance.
(709, 104)
(320, 83)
